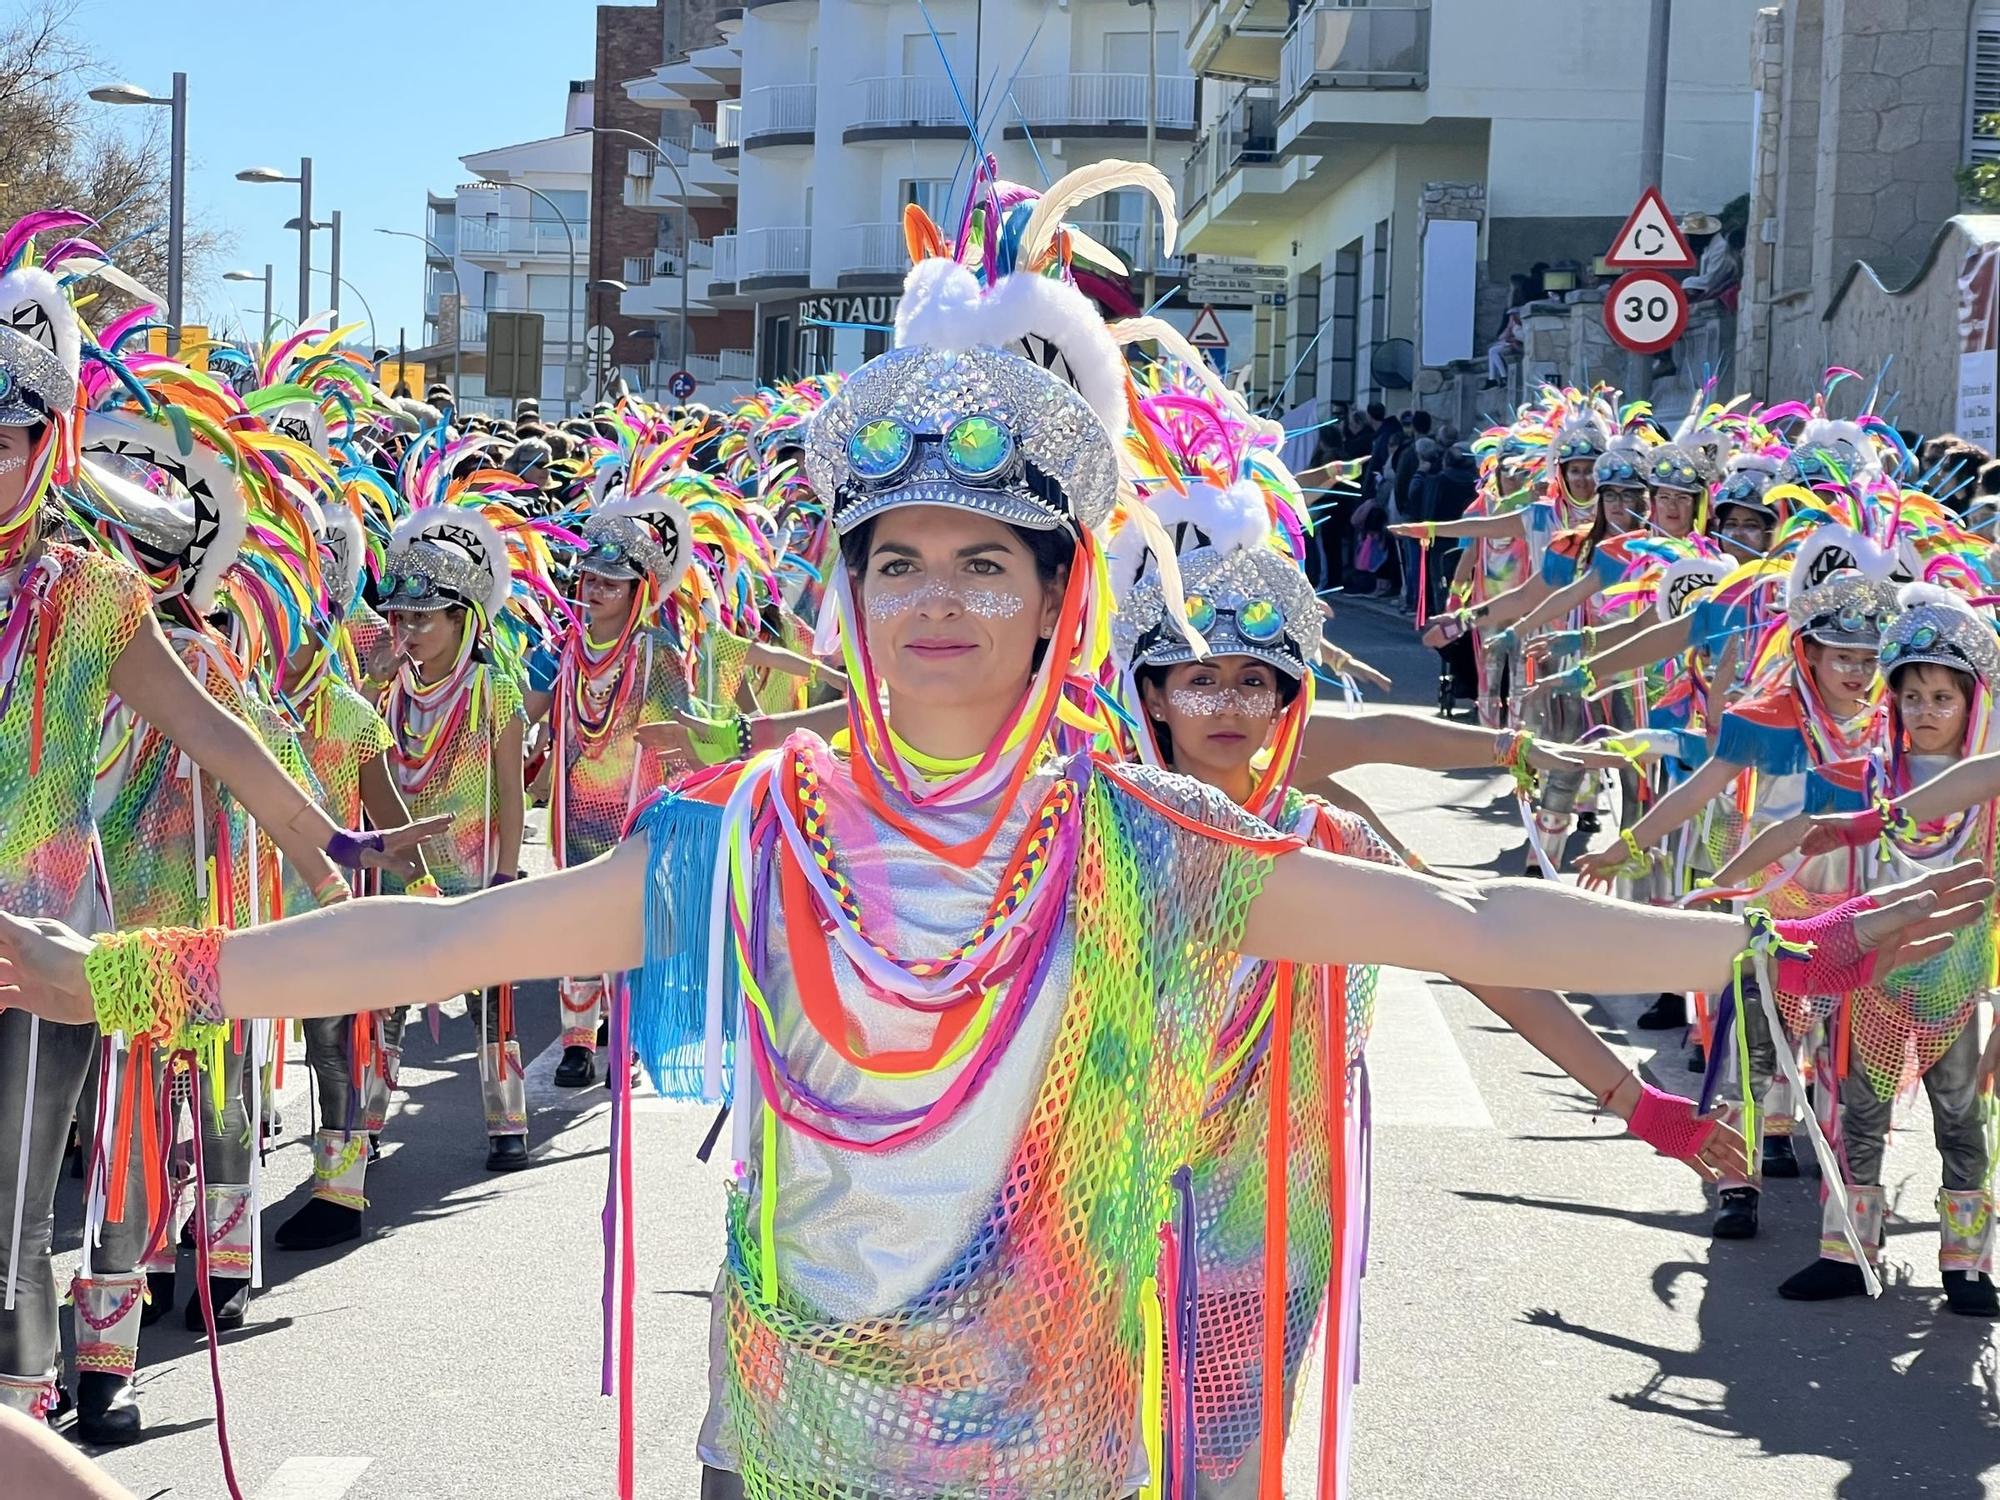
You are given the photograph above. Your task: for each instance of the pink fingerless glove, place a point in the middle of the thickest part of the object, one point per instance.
(1822, 955)
(1855, 829)
(1671, 1125)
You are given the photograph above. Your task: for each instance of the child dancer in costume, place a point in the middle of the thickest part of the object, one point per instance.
(1281, 1154)
(77, 628)
(976, 974)
(1942, 662)
(455, 725)
(346, 745)
(1823, 708)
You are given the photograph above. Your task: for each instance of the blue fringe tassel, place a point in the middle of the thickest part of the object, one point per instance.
(670, 990)
(1768, 751)
(1558, 569)
(1824, 796)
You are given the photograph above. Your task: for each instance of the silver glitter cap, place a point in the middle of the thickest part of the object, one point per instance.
(1242, 584)
(1850, 609)
(1938, 627)
(1061, 473)
(637, 537)
(39, 348)
(445, 557)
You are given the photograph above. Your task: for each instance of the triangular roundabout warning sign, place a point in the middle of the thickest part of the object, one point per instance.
(1650, 239)
(1207, 331)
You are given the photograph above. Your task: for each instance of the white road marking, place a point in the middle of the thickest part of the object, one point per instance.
(314, 1478)
(1418, 1073)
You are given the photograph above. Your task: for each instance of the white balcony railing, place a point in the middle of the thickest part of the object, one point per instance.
(729, 124)
(738, 364)
(701, 255)
(1127, 239)
(471, 326)
(873, 250)
(639, 269)
(701, 139)
(906, 100)
(723, 248)
(1369, 47)
(1077, 101)
(1247, 134)
(775, 252)
(520, 236)
(782, 108)
(705, 368)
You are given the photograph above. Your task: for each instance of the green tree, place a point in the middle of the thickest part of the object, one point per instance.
(1979, 181)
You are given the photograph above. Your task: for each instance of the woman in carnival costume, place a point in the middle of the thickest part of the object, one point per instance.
(1281, 1152)
(616, 664)
(346, 744)
(456, 733)
(79, 628)
(963, 979)
(1931, 788)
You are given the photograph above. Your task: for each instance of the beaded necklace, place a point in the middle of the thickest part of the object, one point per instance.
(420, 752)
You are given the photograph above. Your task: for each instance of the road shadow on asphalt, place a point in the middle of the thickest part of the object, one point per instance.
(1904, 1393)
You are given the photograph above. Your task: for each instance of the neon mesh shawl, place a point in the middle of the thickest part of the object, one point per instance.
(339, 733)
(1021, 1369)
(72, 615)
(1320, 1214)
(445, 769)
(595, 713)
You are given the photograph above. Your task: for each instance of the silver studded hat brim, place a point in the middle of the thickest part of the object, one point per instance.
(617, 572)
(1015, 510)
(30, 369)
(1171, 649)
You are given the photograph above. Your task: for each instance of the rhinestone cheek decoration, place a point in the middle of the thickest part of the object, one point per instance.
(986, 604)
(1213, 703)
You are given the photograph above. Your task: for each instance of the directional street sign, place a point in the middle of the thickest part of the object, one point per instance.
(681, 385)
(1207, 331)
(1646, 311)
(1650, 239)
(1235, 283)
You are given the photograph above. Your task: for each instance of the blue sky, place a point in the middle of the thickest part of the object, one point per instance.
(385, 97)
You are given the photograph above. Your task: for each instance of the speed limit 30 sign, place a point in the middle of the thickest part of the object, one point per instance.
(1646, 311)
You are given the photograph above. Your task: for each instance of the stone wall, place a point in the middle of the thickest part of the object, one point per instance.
(1869, 320)
(1760, 252)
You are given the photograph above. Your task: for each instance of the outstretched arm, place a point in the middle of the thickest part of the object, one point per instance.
(1765, 850)
(1664, 816)
(1334, 740)
(1573, 595)
(1506, 524)
(1630, 651)
(1966, 784)
(1320, 908)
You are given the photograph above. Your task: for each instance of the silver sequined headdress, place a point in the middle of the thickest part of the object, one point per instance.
(444, 557)
(1939, 627)
(953, 417)
(634, 537)
(171, 500)
(1842, 590)
(39, 348)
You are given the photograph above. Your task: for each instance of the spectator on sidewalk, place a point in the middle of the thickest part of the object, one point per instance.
(1411, 458)
(1508, 341)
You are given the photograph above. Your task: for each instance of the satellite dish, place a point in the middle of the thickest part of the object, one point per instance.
(1393, 365)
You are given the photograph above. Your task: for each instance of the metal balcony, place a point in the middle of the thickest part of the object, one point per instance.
(783, 114)
(1335, 46)
(773, 256)
(900, 106)
(1102, 104)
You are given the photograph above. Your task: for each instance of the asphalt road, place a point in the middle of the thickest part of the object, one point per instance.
(1544, 1314)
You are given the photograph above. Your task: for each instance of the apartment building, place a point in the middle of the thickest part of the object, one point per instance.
(1334, 133)
(496, 246)
(794, 141)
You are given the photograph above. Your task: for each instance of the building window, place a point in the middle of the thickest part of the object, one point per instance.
(1303, 367)
(1982, 93)
(931, 194)
(777, 350)
(574, 204)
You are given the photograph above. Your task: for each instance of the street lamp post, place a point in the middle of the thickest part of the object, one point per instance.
(176, 101)
(687, 222)
(569, 328)
(335, 281)
(457, 298)
(341, 281)
(606, 284)
(305, 182)
(264, 329)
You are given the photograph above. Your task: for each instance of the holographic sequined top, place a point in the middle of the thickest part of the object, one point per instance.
(594, 715)
(442, 754)
(967, 1315)
(84, 609)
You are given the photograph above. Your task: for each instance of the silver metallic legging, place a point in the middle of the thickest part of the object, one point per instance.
(1953, 1084)
(29, 1334)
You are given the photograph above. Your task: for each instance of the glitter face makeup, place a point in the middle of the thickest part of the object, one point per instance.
(1213, 703)
(13, 463)
(986, 604)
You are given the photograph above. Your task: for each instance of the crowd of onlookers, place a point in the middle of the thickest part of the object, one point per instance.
(1411, 469)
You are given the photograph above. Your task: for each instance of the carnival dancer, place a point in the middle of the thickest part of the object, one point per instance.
(1823, 707)
(615, 667)
(346, 745)
(1942, 662)
(456, 734)
(78, 627)
(1281, 1153)
(981, 975)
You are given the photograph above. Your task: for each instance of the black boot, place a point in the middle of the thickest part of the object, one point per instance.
(1780, 1160)
(1668, 1013)
(1736, 1214)
(319, 1224)
(1697, 1058)
(1824, 1280)
(374, 1147)
(107, 1410)
(1971, 1293)
(577, 1070)
(603, 1031)
(160, 1289)
(1587, 822)
(231, 1298)
(506, 1153)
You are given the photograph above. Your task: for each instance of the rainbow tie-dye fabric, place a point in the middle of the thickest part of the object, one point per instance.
(1019, 1372)
(86, 610)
